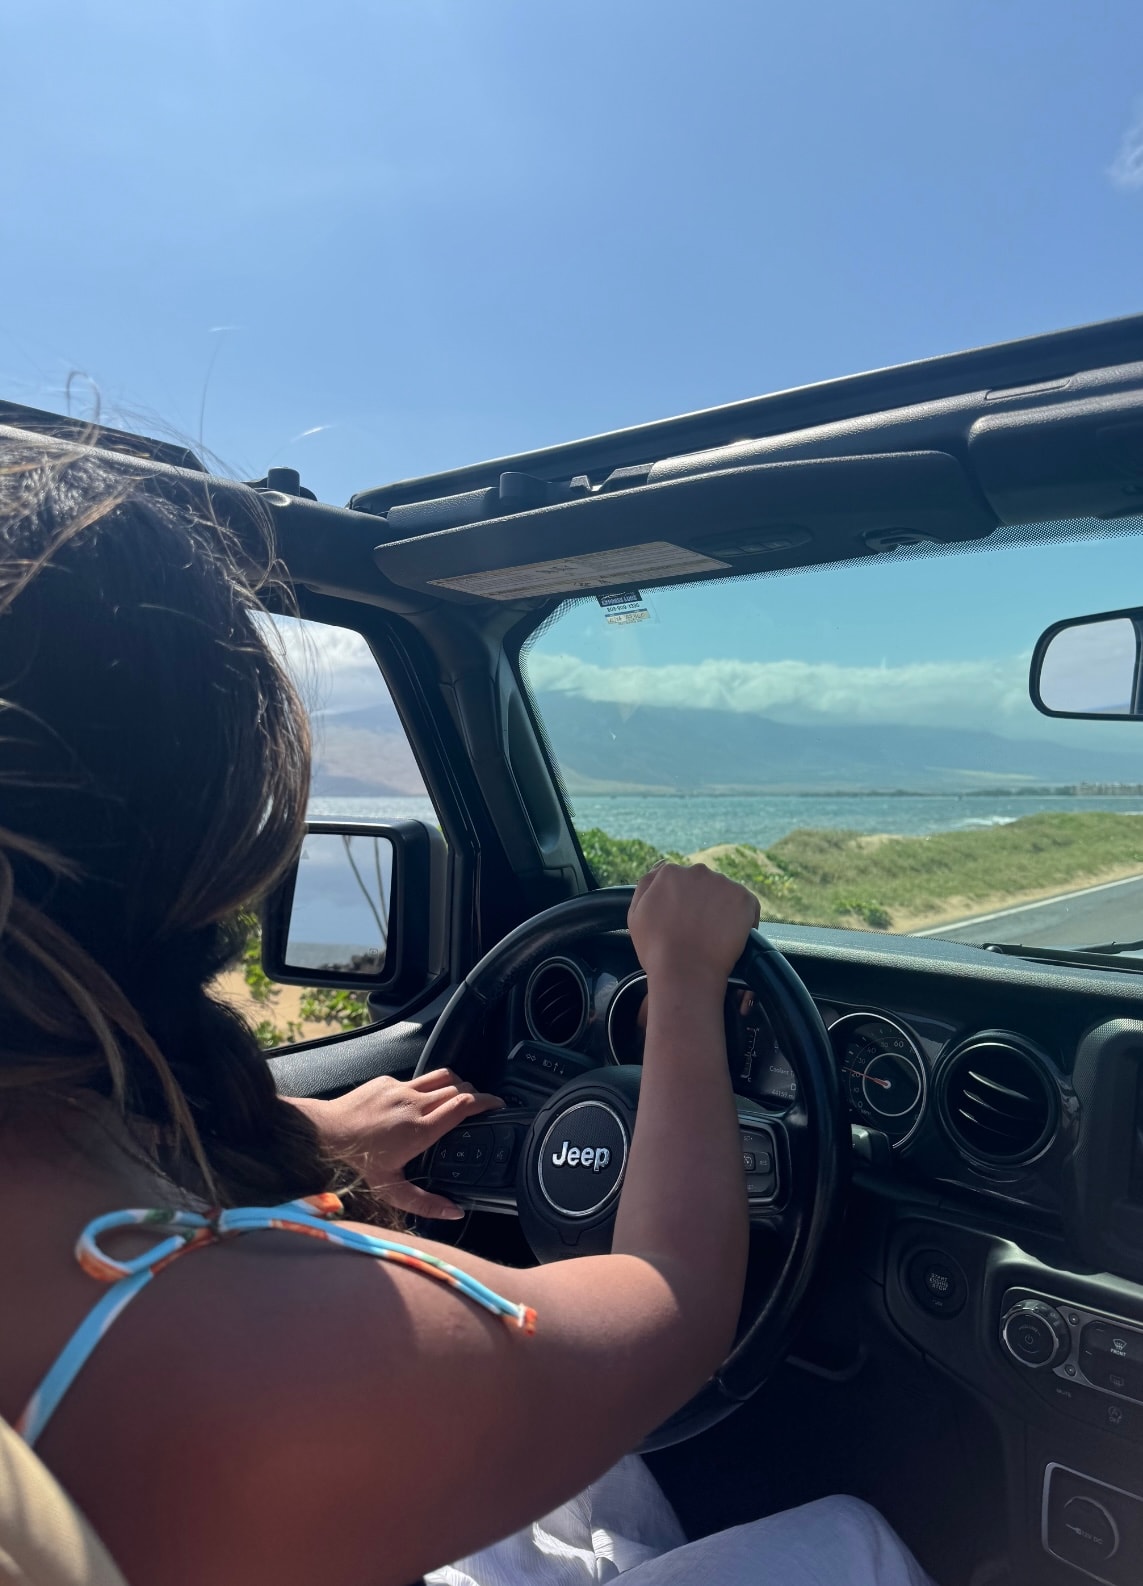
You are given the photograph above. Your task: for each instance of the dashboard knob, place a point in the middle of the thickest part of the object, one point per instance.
(1035, 1334)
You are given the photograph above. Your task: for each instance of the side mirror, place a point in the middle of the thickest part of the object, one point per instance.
(1091, 667)
(362, 909)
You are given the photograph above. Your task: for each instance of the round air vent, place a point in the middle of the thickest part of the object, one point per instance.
(556, 1002)
(998, 1101)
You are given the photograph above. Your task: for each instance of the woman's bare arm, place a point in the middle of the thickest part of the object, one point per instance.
(342, 1420)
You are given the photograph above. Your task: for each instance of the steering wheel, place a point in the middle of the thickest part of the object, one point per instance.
(556, 1156)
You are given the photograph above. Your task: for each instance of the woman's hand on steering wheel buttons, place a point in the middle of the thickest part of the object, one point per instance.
(386, 1123)
(689, 923)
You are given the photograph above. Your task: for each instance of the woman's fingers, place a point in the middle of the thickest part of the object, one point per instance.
(406, 1197)
(452, 1111)
(475, 1100)
(438, 1079)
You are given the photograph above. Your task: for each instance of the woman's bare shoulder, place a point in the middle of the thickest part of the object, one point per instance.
(321, 1407)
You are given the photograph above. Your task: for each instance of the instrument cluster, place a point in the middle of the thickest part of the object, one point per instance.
(883, 1073)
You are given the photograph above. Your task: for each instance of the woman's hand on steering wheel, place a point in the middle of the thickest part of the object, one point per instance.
(689, 922)
(386, 1123)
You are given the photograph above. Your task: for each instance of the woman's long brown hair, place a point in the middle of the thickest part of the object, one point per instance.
(154, 766)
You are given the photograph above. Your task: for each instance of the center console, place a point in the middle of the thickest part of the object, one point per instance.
(1055, 1354)
(1088, 1364)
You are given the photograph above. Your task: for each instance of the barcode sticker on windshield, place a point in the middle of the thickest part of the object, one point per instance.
(570, 575)
(623, 607)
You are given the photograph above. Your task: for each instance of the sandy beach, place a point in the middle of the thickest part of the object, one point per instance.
(284, 1007)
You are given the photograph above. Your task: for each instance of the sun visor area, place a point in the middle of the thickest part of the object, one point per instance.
(729, 522)
(1081, 459)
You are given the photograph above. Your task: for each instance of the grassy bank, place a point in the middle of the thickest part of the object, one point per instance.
(901, 883)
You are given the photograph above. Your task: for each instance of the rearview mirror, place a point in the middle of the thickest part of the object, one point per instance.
(362, 908)
(1090, 667)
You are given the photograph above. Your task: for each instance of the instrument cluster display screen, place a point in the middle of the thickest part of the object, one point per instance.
(757, 1061)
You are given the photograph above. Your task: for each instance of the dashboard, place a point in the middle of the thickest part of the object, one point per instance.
(945, 1098)
(883, 1070)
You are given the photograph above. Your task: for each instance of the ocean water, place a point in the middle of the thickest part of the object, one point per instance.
(688, 823)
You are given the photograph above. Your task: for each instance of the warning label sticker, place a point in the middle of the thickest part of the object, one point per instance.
(570, 575)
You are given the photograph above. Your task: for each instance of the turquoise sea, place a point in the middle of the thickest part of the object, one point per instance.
(688, 823)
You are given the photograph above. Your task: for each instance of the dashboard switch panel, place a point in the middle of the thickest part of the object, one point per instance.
(1092, 1362)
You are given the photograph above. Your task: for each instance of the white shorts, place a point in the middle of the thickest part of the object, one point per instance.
(623, 1525)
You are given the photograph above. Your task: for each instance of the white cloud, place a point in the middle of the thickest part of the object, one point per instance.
(1126, 170)
(989, 694)
(333, 668)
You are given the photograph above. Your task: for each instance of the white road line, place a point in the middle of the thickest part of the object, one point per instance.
(1023, 908)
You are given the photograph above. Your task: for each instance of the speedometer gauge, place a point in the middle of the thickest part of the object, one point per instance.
(883, 1073)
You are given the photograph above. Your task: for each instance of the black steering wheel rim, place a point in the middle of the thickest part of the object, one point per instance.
(816, 1126)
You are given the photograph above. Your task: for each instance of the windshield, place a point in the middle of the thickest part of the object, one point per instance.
(856, 742)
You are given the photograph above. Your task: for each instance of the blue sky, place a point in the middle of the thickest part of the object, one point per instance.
(447, 229)
(375, 239)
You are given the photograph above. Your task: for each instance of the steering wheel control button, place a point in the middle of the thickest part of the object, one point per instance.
(463, 1155)
(457, 1175)
(758, 1164)
(937, 1283)
(539, 1070)
(502, 1158)
(582, 1159)
(1034, 1334)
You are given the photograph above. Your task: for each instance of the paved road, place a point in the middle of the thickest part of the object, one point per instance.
(1093, 915)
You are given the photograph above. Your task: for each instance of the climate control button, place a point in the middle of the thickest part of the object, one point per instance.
(1035, 1334)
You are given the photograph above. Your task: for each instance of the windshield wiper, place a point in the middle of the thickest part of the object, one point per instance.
(1102, 957)
(1113, 947)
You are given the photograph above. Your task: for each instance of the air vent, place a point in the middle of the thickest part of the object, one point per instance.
(998, 1101)
(556, 1002)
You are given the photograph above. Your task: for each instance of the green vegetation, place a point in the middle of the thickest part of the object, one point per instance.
(342, 1010)
(833, 877)
(618, 861)
(348, 1010)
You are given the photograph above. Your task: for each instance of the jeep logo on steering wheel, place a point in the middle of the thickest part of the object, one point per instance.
(587, 1135)
(581, 1156)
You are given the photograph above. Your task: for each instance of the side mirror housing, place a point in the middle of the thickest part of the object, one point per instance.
(363, 908)
(1091, 667)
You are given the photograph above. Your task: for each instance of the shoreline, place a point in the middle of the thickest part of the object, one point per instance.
(1079, 790)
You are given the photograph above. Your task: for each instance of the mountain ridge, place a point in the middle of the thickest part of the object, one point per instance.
(604, 748)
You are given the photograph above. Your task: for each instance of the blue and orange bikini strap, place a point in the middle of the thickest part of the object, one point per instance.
(191, 1230)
